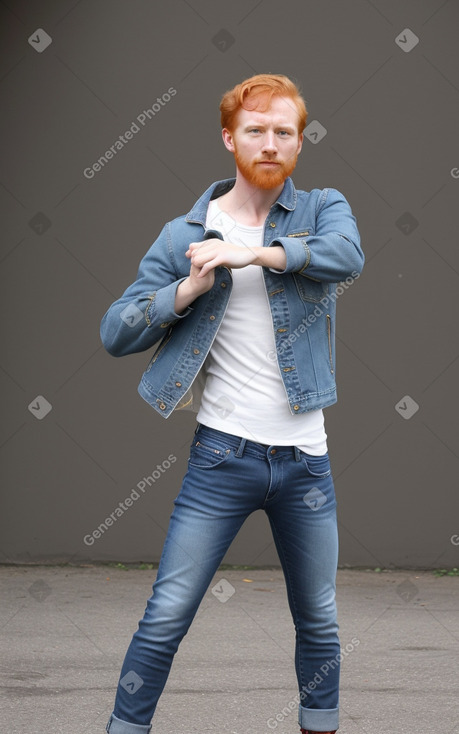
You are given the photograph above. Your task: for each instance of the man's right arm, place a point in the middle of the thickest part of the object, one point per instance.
(160, 296)
(142, 315)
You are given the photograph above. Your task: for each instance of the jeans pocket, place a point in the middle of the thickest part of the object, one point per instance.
(206, 455)
(317, 466)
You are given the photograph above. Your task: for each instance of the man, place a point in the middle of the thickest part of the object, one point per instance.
(242, 293)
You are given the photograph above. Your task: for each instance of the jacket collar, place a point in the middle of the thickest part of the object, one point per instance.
(287, 199)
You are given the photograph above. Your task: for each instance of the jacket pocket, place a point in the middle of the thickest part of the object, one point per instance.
(303, 232)
(310, 290)
(329, 338)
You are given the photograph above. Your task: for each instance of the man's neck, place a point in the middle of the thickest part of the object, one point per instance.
(248, 204)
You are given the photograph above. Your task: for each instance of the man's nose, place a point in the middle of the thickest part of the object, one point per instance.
(269, 143)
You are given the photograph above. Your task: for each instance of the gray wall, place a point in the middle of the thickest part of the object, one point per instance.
(71, 245)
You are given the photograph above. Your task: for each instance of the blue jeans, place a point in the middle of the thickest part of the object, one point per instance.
(227, 479)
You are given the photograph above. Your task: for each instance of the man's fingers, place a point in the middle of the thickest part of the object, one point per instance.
(201, 258)
(209, 265)
(191, 249)
(197, 245)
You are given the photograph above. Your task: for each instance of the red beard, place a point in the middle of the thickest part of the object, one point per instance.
(264, 177)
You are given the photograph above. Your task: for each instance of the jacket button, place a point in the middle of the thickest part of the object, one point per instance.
(223, 285)
(272, 224)
(195, 351)
(296, 407)
(162, 406)
(178, 384)
(212, 318)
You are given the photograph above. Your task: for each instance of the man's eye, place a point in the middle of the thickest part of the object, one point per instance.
(254, 130)
(283, 132)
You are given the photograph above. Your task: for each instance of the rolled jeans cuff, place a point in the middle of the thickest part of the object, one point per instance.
(117, 726)
(317, 719)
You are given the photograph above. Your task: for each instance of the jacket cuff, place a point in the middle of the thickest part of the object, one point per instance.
(162, 302)
(297, 253)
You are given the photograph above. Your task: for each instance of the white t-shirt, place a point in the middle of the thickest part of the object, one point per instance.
(244, 393)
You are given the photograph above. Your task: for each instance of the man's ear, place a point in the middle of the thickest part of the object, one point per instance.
(300, 142)
(228, 140)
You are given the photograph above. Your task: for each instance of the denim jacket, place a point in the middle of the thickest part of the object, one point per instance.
(322, 245)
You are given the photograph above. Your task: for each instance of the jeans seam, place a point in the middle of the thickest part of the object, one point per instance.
(296, 621)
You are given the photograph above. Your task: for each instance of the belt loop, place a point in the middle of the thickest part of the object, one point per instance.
(297, 453)
(241, 448)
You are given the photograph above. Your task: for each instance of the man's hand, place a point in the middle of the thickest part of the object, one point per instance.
(209, 254)
(192, 287)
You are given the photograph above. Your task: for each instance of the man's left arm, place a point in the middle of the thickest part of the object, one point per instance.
(332, 252)
(214, 252)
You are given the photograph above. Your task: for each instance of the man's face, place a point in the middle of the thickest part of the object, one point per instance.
(266, 144)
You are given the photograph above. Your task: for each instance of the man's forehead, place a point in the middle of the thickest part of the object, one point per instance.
(280, 109)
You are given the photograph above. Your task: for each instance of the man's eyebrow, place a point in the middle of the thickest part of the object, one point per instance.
(284, 125)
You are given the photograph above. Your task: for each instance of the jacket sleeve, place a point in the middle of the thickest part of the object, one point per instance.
(142, 315)
(332, 252)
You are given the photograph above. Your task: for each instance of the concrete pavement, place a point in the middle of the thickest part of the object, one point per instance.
(64, 632)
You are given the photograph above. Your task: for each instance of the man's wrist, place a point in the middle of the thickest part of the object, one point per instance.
(185, 295)
(271, 257)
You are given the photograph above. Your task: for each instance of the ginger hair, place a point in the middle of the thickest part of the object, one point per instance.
(256, 93)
